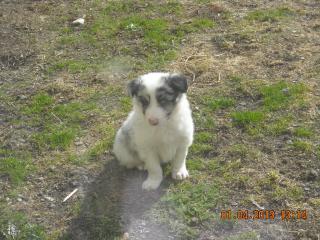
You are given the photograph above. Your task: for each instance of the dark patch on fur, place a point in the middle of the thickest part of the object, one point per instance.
(127, 141)
(178, 83)
(145, 101)
(134, 87)
(167, 98)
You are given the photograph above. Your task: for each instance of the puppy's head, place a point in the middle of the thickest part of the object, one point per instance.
(156, 95)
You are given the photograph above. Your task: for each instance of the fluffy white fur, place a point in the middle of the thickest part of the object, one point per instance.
(143, 145)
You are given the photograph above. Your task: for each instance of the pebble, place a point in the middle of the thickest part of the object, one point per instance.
(234, 204)
(285, 91)
(78, 143)
(311, 175)
(74, 184)
(51, 199)
(194, 219)
(52, 168)
(22, 97)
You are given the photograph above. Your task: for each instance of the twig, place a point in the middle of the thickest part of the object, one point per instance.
(70, 195)
(256, 204)
(57, 117)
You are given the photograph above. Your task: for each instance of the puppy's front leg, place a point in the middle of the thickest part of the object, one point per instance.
(152, 165)
(179, 169)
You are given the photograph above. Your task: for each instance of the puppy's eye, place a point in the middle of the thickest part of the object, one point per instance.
(144, 101)
(164, 98)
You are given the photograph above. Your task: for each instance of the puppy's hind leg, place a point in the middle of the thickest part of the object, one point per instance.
(126, 156)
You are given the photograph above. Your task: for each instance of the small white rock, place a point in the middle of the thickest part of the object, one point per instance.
(79, 21)
(49, 198)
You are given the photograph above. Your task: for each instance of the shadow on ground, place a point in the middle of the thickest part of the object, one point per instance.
(114, 204)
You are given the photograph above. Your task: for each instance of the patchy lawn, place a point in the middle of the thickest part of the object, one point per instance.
(254, 89)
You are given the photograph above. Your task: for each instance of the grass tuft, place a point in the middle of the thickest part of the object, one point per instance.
(247, 118)
(269, 15)
(219, 103)
(15, 225)
(40, 103)
(15, 168)
(303, 132)
(55, 137)
(280, 95)
(302, 146)
(190, 200)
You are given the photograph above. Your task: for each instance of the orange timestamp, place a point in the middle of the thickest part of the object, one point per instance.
(284, 214)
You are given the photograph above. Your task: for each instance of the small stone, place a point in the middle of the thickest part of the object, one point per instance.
(52, 205)
(74, 184)
(194, 219)
(306, 188)
(311, 175)
(51, 199)
(243, 103)
(78, 143)
(52, 168)
(285, 90)
(79, 21)
(234, 204)
(19, 199)
(22, 97)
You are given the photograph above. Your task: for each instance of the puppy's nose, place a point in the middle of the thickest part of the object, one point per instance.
(153, 121)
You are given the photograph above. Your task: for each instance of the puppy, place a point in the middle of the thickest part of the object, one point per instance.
(159, 129)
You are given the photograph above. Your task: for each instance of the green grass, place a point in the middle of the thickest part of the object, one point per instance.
(190, 200)
(302, 146)
(195, 25)
(55, 137)
(244, 236)
(16, 167)
(219, 103)
(303, 132)
(58, 123)
(98, 148)
(72, 66)
(73, 112)
(204, 137)
(196, 164)
(279, 126)
(247, 118)
(200, 148)
(41, 102)
(238, 151)
(15, 225)
(269, 15)
(154, 38)
(287, 190)
(291, 192)
(280, 95)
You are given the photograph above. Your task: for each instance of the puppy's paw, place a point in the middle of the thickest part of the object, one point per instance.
(151, 184)
(181, 174)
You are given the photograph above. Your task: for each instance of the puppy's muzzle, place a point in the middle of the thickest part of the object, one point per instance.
(153, 121)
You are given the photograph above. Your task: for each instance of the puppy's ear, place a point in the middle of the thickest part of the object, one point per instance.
(178, 83)
(134, 87)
